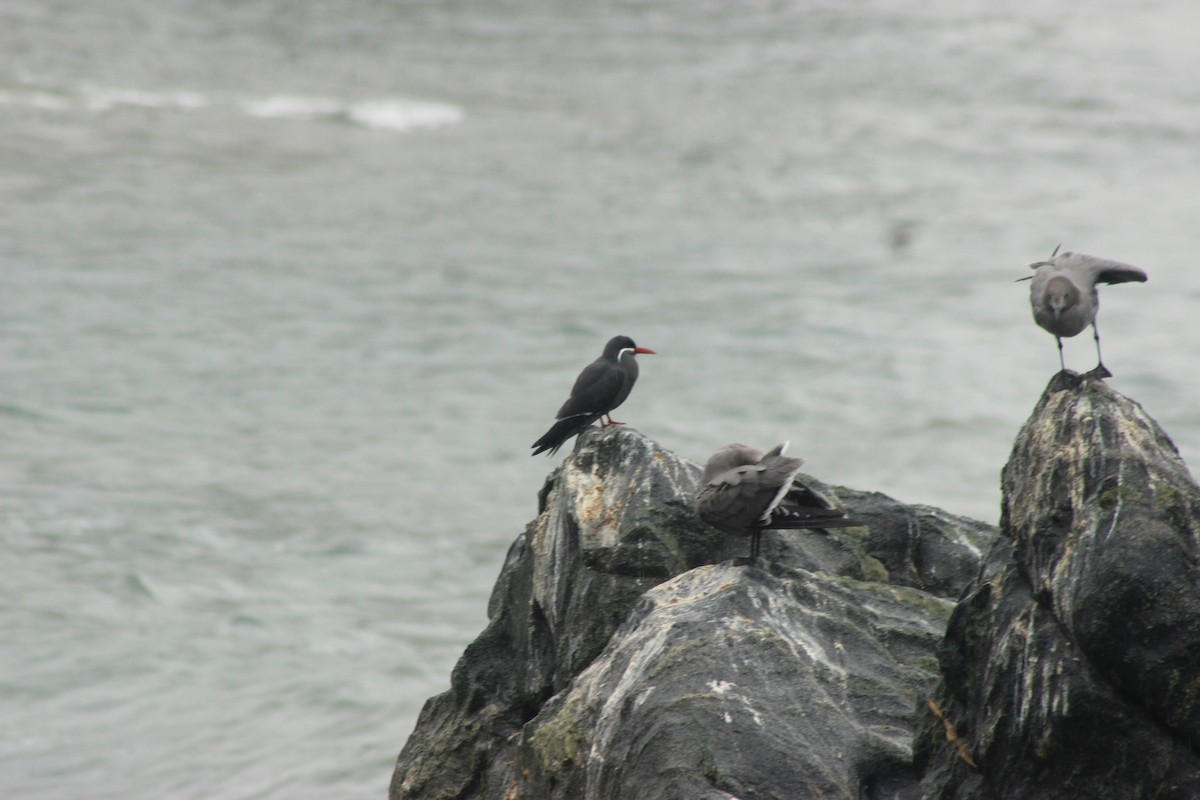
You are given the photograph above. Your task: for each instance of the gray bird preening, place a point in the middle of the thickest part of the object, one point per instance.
(601, 387)
(1064, 297)
(744, 491)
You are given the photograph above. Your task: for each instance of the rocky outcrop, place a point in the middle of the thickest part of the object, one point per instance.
(1071, 667)
(625, 656)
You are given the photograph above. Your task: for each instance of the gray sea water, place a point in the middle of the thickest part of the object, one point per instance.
(288, 289)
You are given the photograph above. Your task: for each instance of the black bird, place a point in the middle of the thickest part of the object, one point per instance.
(745, 491)
(602, 386)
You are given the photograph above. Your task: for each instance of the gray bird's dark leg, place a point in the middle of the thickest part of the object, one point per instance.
(1101, 371)
(1061, 362)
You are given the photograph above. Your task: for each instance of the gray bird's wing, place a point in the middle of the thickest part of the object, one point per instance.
(777, 476)
(798, 505)
(1100, 270)
(741, 499)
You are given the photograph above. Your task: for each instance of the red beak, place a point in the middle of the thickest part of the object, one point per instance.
(644, 351)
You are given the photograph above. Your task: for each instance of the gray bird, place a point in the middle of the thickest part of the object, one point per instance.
(745, 491)
(1064, 297)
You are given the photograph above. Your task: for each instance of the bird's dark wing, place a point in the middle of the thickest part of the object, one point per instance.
(796, 504)
(595, 389)
(1120, 273)
(737, 499)
(1100, 270)
(805, 507)
(777, 475)
(721, 504)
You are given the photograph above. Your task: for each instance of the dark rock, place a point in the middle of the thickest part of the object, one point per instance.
(613, 522)
(1071, 668)
(725, 681)
(921, 546)
(620, 660)
(735, 682)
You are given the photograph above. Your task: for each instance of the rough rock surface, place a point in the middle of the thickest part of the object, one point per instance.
(728, 682)
(627, 657)
(1071, 667)
(799, 679)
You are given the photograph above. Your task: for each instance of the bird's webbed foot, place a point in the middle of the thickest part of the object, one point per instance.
(1064, 380)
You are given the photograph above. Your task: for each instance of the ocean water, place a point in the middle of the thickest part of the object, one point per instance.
(288, 289)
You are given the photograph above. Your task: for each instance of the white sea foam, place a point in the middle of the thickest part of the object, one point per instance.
(403, 115)
(385, 114)
(43, 100)
(291, 107)
(99, 98)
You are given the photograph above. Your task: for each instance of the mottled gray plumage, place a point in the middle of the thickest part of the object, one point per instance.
(1064, 297)
(745, 491)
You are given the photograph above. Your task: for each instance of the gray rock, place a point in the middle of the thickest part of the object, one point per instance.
(921, 546)
(733, 682)
(724, 680)
(1071, 668)
(621, 660)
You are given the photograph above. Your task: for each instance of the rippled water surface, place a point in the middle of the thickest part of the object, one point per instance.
(288, 289)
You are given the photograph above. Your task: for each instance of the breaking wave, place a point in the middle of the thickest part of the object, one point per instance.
(385, 114)
(390, 115)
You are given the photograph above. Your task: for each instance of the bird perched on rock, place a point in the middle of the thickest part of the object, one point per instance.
(1064, 297)
(601, 387)
(744, 491)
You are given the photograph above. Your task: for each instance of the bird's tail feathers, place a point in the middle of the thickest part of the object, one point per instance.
(797, 521)
(560, 431)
